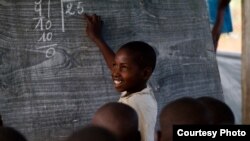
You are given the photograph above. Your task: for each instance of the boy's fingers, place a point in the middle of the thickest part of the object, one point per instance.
(96, 18)
(93, 18)
(89, 17)
(99, 18)
(86, 17)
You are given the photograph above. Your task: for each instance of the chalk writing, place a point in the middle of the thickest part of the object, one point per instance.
(44, 24)
(72, 8)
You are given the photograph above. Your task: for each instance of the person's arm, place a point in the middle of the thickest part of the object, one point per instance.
(93, 30)
(216, 31)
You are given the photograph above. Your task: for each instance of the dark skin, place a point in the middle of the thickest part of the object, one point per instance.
(93, 30)
(126, 74)
(216, 31)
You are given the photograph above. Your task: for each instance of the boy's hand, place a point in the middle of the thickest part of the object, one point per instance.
(94, 27)
(93, 30)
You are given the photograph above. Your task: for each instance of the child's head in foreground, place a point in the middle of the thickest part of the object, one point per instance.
(182, 111)
(120, 119)
(92, 133)
(11, 134)
(133, 65)
(221, 113)
(1, 122)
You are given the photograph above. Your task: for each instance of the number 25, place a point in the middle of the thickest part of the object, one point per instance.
(80, 8)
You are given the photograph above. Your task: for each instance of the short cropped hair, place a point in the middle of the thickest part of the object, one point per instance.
(221, 113)
(92, 133)
(146, 53)
(182, 111)
(119, 118)
(11, 134)
(1, 122)
(185, 110)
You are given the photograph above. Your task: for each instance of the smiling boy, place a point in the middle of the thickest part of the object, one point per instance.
(131, 67)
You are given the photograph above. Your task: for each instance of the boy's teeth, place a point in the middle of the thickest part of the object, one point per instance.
(117, 82)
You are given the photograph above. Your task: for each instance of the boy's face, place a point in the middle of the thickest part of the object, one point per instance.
(126, 74)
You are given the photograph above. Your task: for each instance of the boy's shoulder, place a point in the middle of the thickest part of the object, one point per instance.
(144, 96)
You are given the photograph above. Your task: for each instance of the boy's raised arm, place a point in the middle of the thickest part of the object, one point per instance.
(93, 30)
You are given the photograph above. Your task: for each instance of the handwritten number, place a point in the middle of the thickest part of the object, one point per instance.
(50, 52)
(80, 8)
(48, 24)
(39, 23)
(46, 37)
(38, 7)
(72, 11)
(69, 9)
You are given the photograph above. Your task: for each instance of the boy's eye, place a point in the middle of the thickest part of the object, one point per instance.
(114, 65)
(124, 68)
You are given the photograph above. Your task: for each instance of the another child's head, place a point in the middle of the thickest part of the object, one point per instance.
(182, 111)
(92, 133)
(120, 119)
(133, 65)
(1, 122)
(10, 134)
(221, 113)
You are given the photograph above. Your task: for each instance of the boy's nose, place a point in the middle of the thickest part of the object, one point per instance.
(115, 72)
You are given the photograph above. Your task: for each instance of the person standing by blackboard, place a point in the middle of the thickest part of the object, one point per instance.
(220, 19)
(131, 67)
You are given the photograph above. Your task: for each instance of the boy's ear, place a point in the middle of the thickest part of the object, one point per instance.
(147, 73)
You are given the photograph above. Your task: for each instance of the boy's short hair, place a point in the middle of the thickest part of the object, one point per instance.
(221, 113)
(146, 53)
(185, 110)
(92, 133)
(182, 111)
(120, 119)
(11, 134)
(1, 122)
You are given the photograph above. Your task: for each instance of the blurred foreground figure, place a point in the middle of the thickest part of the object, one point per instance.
(221, 113)
(120, 119)
(220, 19)
(92, 133)
(10, 134)
(1, 122)
(183, 111)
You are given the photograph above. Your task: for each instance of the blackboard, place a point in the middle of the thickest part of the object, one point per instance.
(52, 77)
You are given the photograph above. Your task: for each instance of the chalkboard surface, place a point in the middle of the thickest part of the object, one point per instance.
(52, 77)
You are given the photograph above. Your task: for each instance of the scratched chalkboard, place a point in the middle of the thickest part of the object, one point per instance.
(52, 77)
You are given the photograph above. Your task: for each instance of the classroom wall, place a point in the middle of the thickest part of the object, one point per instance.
(52, 77)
